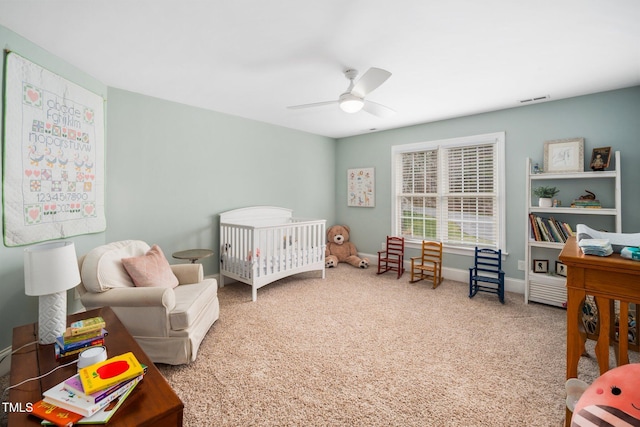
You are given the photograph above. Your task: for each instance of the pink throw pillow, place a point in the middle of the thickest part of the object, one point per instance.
(151, 269)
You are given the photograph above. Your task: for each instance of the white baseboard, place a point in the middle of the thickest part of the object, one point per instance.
(5, 366)
(510, 284)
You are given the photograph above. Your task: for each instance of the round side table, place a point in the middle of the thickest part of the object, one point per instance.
(193, 255)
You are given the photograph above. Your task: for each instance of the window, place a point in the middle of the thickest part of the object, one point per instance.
(451, 191)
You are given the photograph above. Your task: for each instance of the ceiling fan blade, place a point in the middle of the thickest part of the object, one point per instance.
(377, 109)
(370, 81)
(315, 104)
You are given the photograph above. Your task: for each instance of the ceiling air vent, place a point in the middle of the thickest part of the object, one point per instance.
(536, 99)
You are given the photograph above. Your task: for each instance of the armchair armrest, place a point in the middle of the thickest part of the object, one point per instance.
(188, 273)
(131, 297)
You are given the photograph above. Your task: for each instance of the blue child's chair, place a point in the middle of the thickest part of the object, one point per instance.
(486, 275)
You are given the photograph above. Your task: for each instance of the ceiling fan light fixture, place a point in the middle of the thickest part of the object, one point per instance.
(350, 103)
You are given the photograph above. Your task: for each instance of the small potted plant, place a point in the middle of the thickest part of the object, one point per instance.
(545, 194)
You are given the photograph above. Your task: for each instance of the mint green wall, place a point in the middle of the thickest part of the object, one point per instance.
(15, 307)
(171, 169)
(174, 168)
(603, 119)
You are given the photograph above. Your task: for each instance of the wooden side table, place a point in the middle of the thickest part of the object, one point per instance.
(193, 255)
(608, 279)
(152, 402)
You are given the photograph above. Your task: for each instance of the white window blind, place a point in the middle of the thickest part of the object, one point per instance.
(450, 191)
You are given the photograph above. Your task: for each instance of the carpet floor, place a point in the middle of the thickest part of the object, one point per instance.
(359, 349)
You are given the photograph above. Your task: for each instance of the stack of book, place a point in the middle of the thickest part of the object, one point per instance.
(93, 395)
(80, 335)
(549, 229)
(586, 203)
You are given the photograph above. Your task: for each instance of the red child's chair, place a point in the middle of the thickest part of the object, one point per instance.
(392, 258)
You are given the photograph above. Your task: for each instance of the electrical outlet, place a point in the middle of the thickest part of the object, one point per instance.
(521, 264)
(382, 246)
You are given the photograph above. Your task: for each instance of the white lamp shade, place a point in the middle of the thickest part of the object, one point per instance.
(50, 268)
(350, 103)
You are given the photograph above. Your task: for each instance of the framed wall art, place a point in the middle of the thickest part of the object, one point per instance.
(540, 266)
(561, 269)
(361, 187)
(564, 155)
(53, 176)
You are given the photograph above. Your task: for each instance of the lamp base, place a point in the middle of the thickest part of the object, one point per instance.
(52, 317)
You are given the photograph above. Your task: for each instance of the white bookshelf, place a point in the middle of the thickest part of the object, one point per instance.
(548, 288)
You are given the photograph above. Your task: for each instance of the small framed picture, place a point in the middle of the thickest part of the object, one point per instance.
(600, 158)
(564, 155)
(561, 269)
(361, 187)
(540, 266)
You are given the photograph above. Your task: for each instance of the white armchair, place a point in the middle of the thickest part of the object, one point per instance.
(168, 323)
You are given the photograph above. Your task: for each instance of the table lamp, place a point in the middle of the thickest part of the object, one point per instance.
(50, 269)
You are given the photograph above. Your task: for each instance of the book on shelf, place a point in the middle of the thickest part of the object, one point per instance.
(535, 231)
(104, 414)
(549, 229)
(53, 415)
(586, 203)
(568, 230)
(102, 375)
(63, 398)
(85, 326)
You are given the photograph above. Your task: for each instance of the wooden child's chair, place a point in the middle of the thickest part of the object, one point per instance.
(428, 264)
(486, 275)
(392, 258)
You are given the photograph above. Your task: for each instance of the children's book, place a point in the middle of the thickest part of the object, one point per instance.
(105, 414)
(74, 385)
(78, 344)
(54, 415)
(59, 353)
(68, 341)
(112, 371)
(63, 398)
(85, 326)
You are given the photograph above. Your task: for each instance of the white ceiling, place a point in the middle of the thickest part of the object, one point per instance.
(253, 58)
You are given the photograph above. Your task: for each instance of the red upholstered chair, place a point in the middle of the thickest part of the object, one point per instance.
(392, 258)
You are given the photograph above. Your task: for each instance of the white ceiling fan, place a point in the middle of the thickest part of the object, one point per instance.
(352, 100)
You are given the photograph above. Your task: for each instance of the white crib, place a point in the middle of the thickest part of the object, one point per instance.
(262, 244)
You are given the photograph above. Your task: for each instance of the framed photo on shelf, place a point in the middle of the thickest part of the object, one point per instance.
(540, 266)
(600, 158)
(561, 269)
(564, 155)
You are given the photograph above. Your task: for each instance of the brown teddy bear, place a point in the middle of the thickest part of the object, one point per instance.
(340, 249)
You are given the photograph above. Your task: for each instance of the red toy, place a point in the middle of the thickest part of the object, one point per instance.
(612, 400)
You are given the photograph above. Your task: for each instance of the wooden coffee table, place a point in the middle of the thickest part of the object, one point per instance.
(152, 402)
